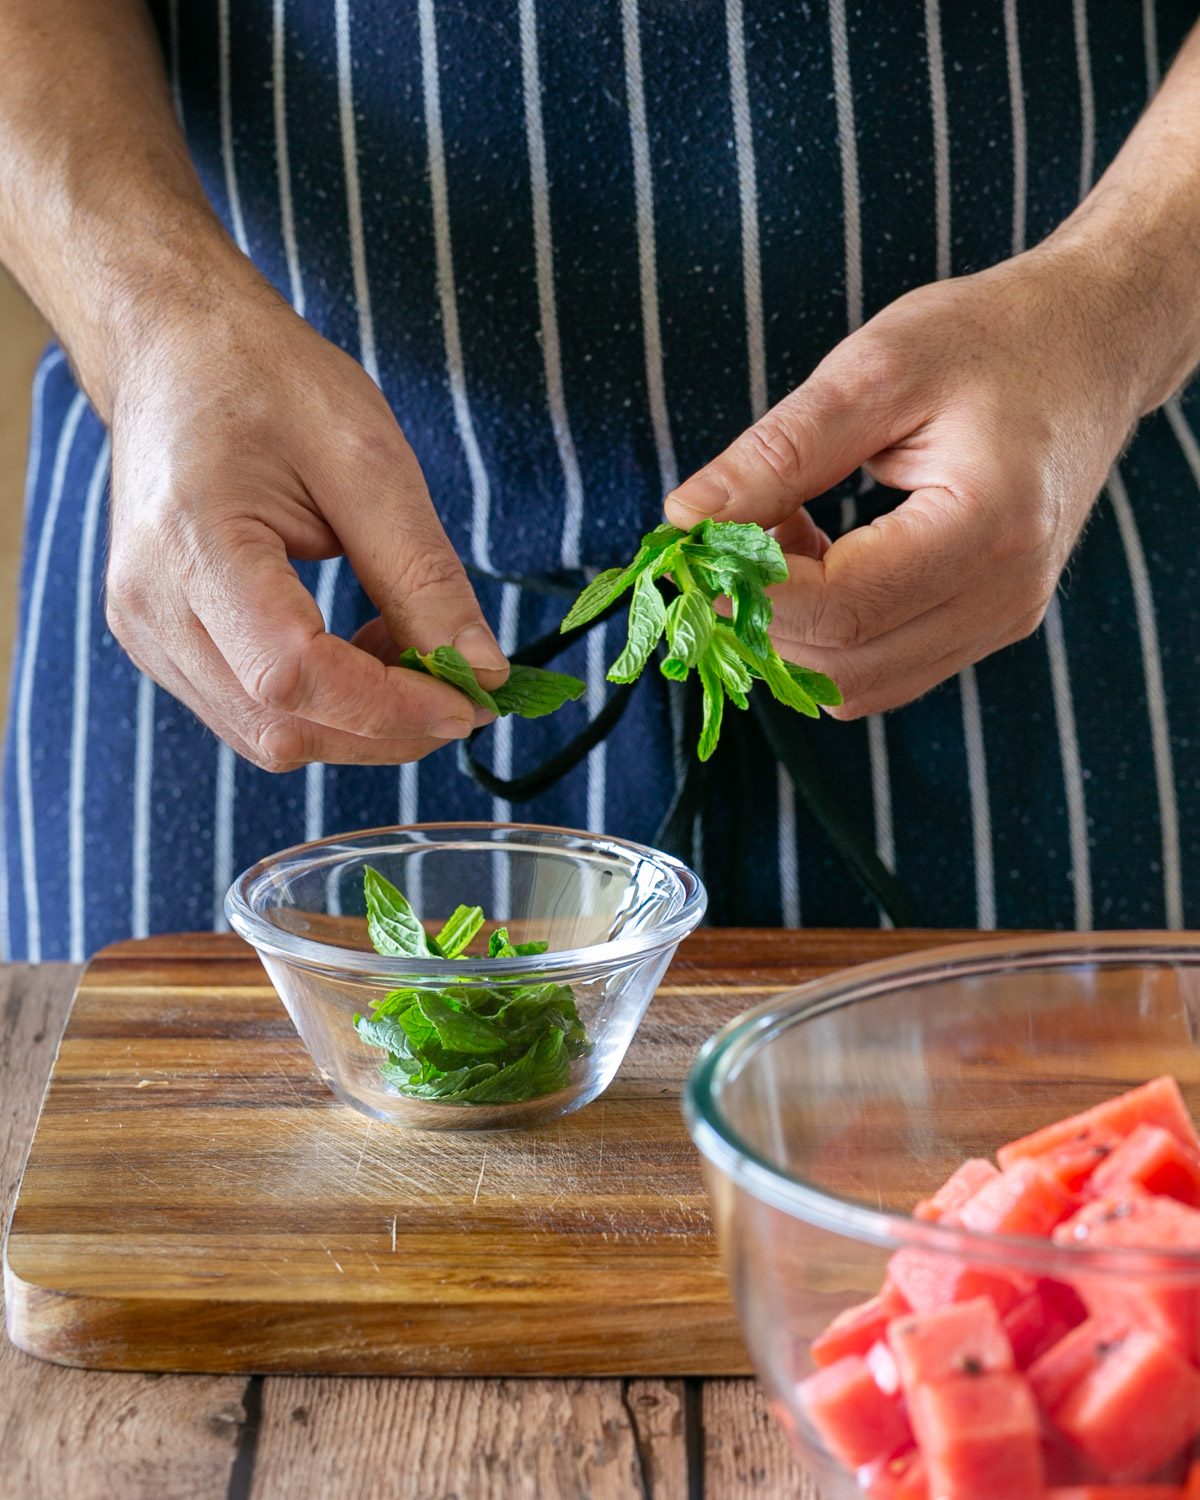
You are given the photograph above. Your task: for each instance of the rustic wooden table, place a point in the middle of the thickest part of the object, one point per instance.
(92, 1435)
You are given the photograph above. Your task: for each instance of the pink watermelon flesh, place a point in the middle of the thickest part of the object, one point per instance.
(901, 1478)
(957, 1189)
(1134, 1219)
(1154, 1159)
(960, 1339)
(979, 1435)
(928, 1280)
(1115, 1492)
(1136, 1410)
(1039, 1321)
(1056, 1373)
(1158, 1102)
(1024, 1199)
(852, 1416)
(856, 1329)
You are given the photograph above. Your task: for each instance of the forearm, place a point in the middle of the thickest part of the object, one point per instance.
(102, 217)
(1138, 234)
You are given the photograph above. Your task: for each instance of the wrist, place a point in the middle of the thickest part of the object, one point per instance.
(1136, 262)
(153, 289)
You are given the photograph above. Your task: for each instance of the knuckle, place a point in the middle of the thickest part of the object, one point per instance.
(837, 625)
(278, 746)
(276, 680)
(427, 570)
(776, 443)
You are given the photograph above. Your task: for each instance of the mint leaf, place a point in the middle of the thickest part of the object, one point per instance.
(531, 692)
(820, 689)
(460, 1030)
(391, 923)
(748, 543)
(647, 619)
(714, 709)
(499, 945)
(690, 620)
(605, 589)
(784, 686)
(460, 928)
(449, 665)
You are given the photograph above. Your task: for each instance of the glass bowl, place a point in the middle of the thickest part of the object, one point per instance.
(825, 1114)
(611, 912)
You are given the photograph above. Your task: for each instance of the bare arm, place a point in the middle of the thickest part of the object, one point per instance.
(1000, 401)
(175, 336)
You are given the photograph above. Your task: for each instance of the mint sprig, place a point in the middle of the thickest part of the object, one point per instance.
(475, 1042)
(529, 692)
(736, 559)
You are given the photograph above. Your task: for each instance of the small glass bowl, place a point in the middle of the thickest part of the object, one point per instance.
(825, 1114)
(612, 913)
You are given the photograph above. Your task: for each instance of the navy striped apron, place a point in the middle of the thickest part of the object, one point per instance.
(580, 248)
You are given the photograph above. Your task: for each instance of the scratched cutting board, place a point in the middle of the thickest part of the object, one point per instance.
(196, 1199)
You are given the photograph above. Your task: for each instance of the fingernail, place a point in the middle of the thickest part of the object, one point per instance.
(483, 716)
(476, 644)
(699, 498)
(450, 729)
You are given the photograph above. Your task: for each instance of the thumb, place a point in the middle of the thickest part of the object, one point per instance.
(817, 435)
(403, 558)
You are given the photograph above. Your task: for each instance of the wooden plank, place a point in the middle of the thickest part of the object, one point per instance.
(746, 1456)
(488, 1439)
(70, 1432)
(197, 1200)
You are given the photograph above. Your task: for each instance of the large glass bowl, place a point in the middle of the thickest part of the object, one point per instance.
(612, 913)
(825, 1114)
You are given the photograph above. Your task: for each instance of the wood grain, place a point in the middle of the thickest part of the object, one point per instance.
(70, 1432)
(195, 1199)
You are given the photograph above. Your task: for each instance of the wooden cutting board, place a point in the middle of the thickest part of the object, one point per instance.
(196, 1199)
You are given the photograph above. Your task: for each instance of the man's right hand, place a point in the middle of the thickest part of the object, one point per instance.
(242, 439)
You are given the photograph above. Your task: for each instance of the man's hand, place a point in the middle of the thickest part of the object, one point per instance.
(240, 441)
(1000, 400)
(996, 403)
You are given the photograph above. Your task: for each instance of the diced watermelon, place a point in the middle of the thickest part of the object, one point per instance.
(1191, 1490)
(882, 1364)
(902, 1478)
(1024, 1199)
(928, 1280)
(957, 1189)
(1136, 1410)
(1054, 1375)
(1073, 1164)
(960, 1339)
(853, 1417)
(1135, 1219)
(1154, 1159)
(1116, 1492)
(1040, 1320)
(856, 1329)
(979, 1435)
(1158, 1102)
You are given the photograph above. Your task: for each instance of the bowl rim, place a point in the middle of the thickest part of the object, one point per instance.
(726, 1150)
(328, 958)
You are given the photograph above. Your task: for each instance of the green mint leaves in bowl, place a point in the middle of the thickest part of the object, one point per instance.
(447, 1024)
(732, 559)
(470, 1043)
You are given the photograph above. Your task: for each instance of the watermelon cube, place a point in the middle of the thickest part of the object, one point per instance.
(1135, 1219)
(1191, 1490)
(1116, 1492)
(856, 1329)
(1040, 1320)
(852, 1416)
(1024, 1199)
(979, 1435)
(960, 1339)
(882, 1364)
(1055, 1374)
(928, 1280)
(1158, 1102)
(1136, 1410)
(901, 1478)
(1154, 1159)
(958, 1188)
